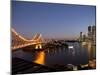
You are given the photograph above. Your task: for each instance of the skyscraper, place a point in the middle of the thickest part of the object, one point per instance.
(94, 34)
(84, 37)
(81, 36)
(93, 30)
(92, 42)
(89, 32)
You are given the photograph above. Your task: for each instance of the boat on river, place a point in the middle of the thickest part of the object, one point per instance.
(70, 47)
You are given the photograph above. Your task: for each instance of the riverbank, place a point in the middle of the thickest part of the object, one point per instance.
(21, 66)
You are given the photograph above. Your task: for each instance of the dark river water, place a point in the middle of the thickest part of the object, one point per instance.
(61, 56)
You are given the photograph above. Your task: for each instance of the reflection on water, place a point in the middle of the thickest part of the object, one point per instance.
(52, 56)
(40, 57)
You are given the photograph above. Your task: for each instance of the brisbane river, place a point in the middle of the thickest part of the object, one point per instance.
(61, 56)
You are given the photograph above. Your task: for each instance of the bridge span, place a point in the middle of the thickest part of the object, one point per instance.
(20, 42)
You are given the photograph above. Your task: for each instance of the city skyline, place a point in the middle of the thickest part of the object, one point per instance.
(52, 37)
(51, 20)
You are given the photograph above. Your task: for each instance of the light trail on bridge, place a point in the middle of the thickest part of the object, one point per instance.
(20, 42)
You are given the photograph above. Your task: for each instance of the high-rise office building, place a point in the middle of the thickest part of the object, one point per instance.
(84, 37)
(81, 36)
(93, 30)
(89, 28)
(94, 34)
(89, 32)
(92, 41)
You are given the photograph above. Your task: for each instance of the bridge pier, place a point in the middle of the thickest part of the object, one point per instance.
(38, 46)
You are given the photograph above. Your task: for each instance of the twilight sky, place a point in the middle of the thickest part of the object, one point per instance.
(51, 20)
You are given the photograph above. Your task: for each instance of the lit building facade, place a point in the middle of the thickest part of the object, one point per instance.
(90, 40)
(81, 37)
(89, 33)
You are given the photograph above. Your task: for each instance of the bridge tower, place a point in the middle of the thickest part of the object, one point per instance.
(39, 41)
